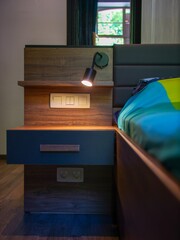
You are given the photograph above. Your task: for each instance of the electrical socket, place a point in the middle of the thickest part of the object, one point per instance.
(70, 100)
(65, 174)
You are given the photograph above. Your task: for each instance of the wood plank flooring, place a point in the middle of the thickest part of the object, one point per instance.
(16, 225)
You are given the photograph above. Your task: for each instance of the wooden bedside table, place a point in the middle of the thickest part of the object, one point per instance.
(55, 142)
(40, 150)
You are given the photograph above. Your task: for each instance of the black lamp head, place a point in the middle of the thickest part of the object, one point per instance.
(100, 60)
(89, 76)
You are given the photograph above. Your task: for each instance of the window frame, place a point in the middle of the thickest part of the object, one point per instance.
(109, 6)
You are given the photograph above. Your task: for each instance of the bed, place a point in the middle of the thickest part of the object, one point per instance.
(147, 176)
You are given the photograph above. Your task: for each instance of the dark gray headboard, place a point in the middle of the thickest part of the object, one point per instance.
(137, 61)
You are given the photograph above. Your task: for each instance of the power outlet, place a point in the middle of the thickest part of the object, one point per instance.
(70, 174)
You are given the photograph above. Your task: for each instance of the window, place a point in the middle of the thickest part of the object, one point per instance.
(113, 23)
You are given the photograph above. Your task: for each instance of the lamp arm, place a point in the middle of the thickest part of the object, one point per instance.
(93, 62)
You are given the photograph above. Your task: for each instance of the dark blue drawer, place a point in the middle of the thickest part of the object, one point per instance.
(91, 147)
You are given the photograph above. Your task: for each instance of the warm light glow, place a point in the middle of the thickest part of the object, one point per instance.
(86, 83)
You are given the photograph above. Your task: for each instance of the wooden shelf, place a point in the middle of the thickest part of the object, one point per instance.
(66, 128)
(40, 83)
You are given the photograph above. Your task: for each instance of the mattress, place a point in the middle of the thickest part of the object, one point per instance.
(151, 117)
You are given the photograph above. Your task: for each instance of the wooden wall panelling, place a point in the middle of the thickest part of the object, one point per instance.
(56, 65)
(63, 63)
(38, 111)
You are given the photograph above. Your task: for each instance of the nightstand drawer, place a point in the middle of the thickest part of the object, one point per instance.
(65, 147)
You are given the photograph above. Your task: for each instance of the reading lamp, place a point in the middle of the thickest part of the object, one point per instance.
(101, 60)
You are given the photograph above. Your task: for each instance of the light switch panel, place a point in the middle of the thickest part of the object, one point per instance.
(69, 100)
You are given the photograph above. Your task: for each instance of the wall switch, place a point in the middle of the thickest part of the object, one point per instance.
(70, 174)
(69, 100)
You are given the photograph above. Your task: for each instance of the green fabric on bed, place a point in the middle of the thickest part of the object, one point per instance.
(152, 119)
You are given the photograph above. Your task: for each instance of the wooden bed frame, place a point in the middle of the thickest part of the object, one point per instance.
(148, 197)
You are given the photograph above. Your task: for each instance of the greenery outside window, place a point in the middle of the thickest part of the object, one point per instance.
(113, 23)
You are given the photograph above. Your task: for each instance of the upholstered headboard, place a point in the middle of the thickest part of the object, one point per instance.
(134, 62)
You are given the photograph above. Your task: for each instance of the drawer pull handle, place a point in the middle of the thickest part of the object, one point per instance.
(59, 148)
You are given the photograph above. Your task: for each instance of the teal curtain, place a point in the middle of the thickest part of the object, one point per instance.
(135, 22)
(81, 21)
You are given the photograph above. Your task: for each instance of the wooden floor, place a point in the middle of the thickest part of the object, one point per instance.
(16, 225)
